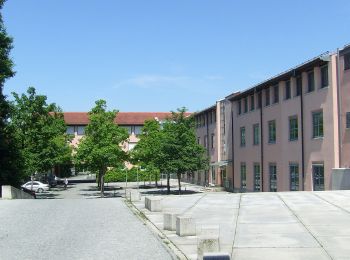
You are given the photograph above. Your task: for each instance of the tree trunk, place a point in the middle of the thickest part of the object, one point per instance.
(168, 183)
(101, 180)
(179, 181)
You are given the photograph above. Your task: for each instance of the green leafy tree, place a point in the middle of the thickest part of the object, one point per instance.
(40, 131)
(10, 165)
(147, 151)
(180, 152)
(100, 148)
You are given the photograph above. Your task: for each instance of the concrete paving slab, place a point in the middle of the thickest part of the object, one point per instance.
(279, 254)
(337, 247)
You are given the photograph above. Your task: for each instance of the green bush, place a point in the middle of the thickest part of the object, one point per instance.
(118, 175)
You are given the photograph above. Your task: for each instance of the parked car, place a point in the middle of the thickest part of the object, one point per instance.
(36, 186)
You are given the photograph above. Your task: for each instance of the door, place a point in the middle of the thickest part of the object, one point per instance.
(318, 176)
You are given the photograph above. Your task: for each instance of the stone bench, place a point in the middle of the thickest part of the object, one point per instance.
(153, 204)
(133, 195)
(170, 221)
(185, 226)
(216, 256)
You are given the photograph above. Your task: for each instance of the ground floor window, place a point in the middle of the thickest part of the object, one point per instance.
(243, 177)
(294, 176)
(273, 177)
(318, 176)
(257, 178)
(213, 175)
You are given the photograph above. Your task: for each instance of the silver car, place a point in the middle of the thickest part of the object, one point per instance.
(36, 186)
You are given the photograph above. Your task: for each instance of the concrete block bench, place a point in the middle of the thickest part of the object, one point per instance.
(133, 195)
(153, 204)
(216, 256)
(185, 226)
(9, 192)
(170, 221)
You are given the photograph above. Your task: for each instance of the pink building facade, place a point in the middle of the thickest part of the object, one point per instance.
(284, 134)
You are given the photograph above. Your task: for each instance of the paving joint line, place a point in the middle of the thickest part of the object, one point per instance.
(308, 230)
(329, 202)
(236, 224)
(194, 204)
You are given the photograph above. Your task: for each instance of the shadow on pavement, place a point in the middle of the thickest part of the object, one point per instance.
(172, 192)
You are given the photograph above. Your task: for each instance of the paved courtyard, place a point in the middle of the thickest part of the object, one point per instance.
(285, 225)
(75, 224)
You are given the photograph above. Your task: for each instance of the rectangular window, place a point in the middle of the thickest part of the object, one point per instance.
(267, 97)
(299, 86)
(259, 99)
(347, 61)
(243, 177)
(81, 130)
(212, 140)
(347, 119)
(205, 141)
(257, 182)
(293, 128)
(137, 129)
(273, 177)
(294, 176)
(317, 124)
(70, 130)
(242, 136)
(310, 81)
(198, 140)
(256, 134)
(272, 131)
(252, 103)
(318, 176)
(246, 105)
(288, 90)
(324, 77)
(214, 116)
(210, 118)
(239, 107)
(275, 94)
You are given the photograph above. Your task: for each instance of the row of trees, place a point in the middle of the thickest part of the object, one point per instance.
(167, 147)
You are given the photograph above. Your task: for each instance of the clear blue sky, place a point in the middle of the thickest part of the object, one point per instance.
(158, 55)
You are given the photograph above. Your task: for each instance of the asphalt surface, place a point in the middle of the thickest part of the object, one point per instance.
(80, 226)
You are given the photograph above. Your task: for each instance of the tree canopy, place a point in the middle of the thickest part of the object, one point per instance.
(40, 131)
(100, 147)
(10, 166)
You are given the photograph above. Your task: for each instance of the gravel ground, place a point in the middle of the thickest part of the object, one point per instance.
(86, 228)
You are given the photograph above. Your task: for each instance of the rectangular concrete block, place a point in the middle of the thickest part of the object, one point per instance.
(216, 256)
(133, 195)
(9, 192)
(341, 179)
(170, 221)
(153, 204)
(185, 226)
(207, 244)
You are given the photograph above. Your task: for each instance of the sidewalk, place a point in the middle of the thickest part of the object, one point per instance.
(286, 225)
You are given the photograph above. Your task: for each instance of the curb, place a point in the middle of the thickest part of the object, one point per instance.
(173, 250)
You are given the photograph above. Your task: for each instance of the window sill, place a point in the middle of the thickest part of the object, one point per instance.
(318, 138)
(293, 140)
(271, 143)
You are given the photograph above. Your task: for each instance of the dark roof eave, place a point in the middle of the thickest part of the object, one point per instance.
(283, 76)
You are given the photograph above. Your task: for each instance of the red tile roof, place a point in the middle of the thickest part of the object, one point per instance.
(123, 118)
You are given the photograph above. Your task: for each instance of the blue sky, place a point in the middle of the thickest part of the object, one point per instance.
(158, 55)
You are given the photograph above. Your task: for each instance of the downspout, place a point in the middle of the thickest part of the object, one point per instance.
(302, 137)
(208, 153)
(339, 111)
(233, 151)
(261, 142)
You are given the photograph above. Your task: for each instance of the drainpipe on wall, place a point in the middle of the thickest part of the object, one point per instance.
(302, 137)
(233, 151)
(208, 153)
(261, 142)
(339, 110)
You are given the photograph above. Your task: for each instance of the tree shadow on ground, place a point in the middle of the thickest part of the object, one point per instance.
(46, 196)
(172, 192)
(97, 195)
